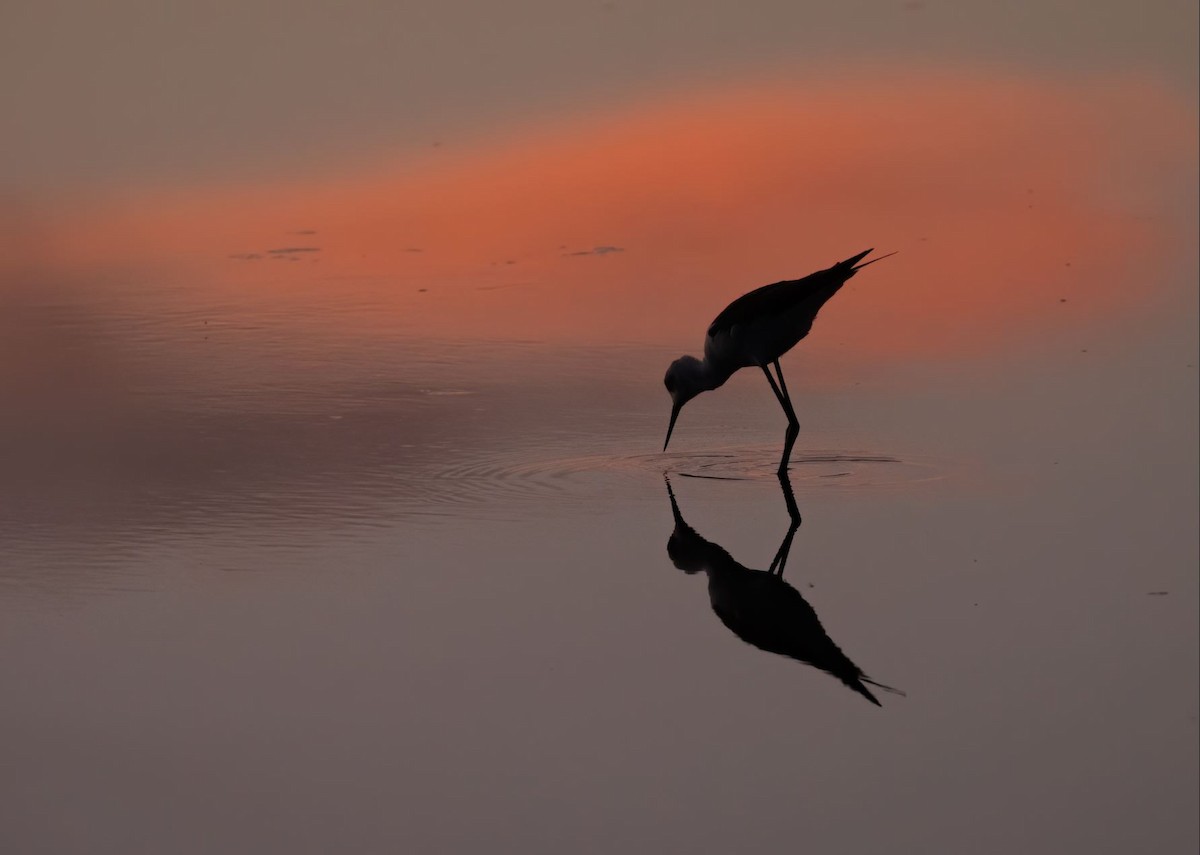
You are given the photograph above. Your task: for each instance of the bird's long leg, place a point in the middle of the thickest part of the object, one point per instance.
(785, 547)
(783, 402)
(783, 386)
(793, 429)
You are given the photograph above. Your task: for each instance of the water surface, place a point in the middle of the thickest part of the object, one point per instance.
(333, 516)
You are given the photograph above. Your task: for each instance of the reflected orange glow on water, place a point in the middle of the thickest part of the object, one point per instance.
(1004, 196)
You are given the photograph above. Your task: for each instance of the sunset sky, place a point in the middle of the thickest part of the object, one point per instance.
(608, 171)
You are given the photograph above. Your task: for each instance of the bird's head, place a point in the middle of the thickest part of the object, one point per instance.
(684, 381)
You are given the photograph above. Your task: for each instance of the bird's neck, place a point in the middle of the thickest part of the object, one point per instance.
(713, 374)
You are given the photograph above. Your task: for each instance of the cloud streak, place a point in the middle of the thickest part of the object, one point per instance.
(597, 250)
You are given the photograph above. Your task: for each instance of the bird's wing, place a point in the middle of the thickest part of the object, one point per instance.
(777, 299)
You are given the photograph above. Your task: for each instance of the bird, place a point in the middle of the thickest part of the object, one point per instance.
(759, 607)
(757, 329)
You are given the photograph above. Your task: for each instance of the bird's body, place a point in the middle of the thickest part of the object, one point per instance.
(759, 327)
(756, 329)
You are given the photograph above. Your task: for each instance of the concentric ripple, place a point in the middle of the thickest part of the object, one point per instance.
(528, 476)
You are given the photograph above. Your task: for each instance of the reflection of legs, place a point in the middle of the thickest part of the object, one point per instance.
(793, 429)
(789, 499)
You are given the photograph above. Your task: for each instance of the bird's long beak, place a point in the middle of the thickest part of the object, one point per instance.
(674, 415)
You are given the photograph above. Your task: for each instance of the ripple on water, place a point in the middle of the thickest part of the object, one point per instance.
(486, 480)
(810, 469)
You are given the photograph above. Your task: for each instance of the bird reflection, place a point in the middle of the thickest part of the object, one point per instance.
(758, 606)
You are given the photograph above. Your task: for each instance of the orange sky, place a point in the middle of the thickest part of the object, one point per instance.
(1004, 195)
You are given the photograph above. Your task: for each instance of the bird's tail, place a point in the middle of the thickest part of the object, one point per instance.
(854, 259)
(855, 266)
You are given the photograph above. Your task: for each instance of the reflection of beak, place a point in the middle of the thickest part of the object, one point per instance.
(674, 415)
(674, 505)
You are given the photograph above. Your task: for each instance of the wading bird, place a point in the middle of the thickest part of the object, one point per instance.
(756, 329)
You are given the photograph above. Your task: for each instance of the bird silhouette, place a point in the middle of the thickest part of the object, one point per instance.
(759, 607)
(756, 329)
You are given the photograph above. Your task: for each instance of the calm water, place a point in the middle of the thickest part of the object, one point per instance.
(272, 589)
